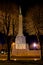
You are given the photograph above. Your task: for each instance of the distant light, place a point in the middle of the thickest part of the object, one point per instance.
(15, 59)
(2, 52)
(35, 59)
(34, 44)
(13, 43)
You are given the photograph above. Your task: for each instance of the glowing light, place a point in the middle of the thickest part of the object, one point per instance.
(34, 44)
(2, 52)
(35, 59)
(13, 43)
(15, 59)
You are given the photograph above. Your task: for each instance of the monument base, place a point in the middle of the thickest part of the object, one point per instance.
(20, 42)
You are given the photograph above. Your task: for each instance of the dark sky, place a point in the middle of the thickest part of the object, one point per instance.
(25, 4)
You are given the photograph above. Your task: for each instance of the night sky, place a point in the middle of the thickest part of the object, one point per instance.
(25, 4)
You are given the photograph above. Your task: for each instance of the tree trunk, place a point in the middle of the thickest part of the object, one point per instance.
(8, 43)
(41, 46)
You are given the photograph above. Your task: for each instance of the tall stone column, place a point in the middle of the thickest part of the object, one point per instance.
(20, 31)
(20, 39)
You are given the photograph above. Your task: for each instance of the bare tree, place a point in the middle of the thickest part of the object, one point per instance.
(7, 25)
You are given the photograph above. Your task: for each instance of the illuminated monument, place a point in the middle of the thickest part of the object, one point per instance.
(20, 49)
(20, 38)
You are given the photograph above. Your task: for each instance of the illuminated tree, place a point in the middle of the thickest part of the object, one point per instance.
(34, 22)
(9, 22)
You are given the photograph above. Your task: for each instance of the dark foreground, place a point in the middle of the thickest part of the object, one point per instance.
(21, 62)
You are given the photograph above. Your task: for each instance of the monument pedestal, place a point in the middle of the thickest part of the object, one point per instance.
(20, 42)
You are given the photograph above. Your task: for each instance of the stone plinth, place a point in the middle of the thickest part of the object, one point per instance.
(24, 54)
(20, 42)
